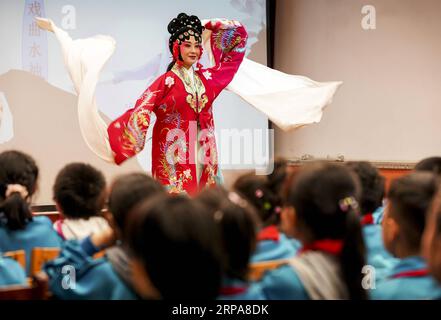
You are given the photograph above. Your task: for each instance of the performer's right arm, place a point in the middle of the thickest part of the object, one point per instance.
(128, 132)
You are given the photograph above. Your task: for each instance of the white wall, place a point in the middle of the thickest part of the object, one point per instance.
(389, 107)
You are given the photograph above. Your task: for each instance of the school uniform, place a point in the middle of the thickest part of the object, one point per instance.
(274, 245)
(408, 280)
(37, 233)
(313, 274)
(95, 279)
(11, 273)
(234, 289)
(376, 254)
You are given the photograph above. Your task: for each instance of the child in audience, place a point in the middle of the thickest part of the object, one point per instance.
(18, 228)
(79, 194)
(371, 201)
(431, 241)
(322, 212)
(236, 222)
(11, 273)
(109, 277)
(404, 220)
(173, 241)
(264, 193)
(432, 164)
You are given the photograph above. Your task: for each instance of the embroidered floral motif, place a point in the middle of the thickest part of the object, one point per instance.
(228, 40)
(207, 75)
(196, 98)
(169, 82)
(170, 157)
(134, 133)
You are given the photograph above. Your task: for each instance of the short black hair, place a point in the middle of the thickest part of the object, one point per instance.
(173, 237)
(237, 227)
(79, 190)
(127, 191)
(432, 164)
(410, 197)
(372, 185)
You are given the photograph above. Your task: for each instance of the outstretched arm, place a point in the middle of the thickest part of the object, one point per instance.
(84, 59)
(227, 45)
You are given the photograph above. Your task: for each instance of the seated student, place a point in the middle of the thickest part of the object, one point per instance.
(79, 194)
(431, 241)
(109, 277)
(264, 193)
(237, 224)
(409, 198)
(372, 194)
(11, 273)
(432, 164)
(174, 250)
(18, 228)
(322, 212)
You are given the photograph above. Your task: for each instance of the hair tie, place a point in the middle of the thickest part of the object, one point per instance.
(278, 209)
(259, 193)
(16, 188)
(348, 202)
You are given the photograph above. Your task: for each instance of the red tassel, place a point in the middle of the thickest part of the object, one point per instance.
(176, 53)
(198, 64)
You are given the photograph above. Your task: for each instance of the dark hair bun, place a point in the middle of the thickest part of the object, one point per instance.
(183, 27)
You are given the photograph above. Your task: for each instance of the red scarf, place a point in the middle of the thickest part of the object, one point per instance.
(331, 246)
(269, 233)
(411, 274)
(231, 291)
(367, 219)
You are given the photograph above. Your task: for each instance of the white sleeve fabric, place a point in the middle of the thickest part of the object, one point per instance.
(289, 101)
(84, 59)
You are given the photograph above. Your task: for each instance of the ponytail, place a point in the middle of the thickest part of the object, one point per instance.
(171, 65)
(15, 212)
(352, 258)
(18, 180)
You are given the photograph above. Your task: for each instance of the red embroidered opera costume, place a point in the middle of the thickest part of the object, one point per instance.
(182, 103)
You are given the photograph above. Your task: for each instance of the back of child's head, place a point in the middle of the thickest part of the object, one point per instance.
(237, 223)
(409, 199)
(431, 240)
(264, 192)
(79, 191)
(18, 182)
(172, 237)
(372, 186)
(324, 198)
(127, 191)
(432, 164)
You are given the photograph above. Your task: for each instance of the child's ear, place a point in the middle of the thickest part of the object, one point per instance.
(390, 232)
(288, 218)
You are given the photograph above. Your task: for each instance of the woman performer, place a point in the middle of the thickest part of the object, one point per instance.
(184, 153)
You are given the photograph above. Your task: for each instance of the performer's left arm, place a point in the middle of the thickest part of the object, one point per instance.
(228, 45)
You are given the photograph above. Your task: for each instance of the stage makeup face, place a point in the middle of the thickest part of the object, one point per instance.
(190, 52)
